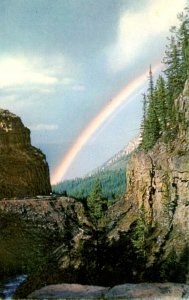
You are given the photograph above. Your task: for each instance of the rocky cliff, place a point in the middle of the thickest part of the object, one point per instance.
(24, 170)
(157, 203)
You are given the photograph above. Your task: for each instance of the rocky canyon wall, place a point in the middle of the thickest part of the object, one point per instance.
(24, 170)
(158, 195)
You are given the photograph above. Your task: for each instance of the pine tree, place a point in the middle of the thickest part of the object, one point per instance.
(144, 109)
(151, 129)
(139, 237)
(173, 70)
(96, 203)
(151, 84)
(161, 97)
(183, 41)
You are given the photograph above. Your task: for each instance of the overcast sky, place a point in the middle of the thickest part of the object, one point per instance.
(62, 61)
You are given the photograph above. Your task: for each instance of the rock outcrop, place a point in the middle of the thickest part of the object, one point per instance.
(24, 170)
(67, 291)
(148, 291)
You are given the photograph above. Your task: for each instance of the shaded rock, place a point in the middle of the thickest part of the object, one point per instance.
(54, 215)
(24, 170)
(66, 291)
(31, 229)
(166, 291)
(149, 291)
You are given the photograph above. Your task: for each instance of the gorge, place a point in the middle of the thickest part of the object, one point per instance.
(74, 70)
(143, 238)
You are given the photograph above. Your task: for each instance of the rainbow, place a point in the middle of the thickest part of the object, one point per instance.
(90, 129)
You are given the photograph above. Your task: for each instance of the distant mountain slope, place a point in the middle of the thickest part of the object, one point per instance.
(119, 160)
(112, 175)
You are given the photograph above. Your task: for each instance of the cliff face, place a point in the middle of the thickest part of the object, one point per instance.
(24, 170)
(158, 195)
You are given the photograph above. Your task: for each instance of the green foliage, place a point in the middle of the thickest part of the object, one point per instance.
(183, 33)
(113, 185)
(139, 236)
(95, 201)
(161, 95)
(160, 117)
(151, 126)
(175, 267)
(97, 204)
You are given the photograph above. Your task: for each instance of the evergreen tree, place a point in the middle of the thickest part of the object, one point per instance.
(161, 96)
(139, 237)
(173, 70)
(113, 184)
(96, 203)
(183, 41)
(151, 130)
(162, 117)
(144, 109)
(151, 84)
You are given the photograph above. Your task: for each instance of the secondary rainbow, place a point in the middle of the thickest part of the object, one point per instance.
(90, 129)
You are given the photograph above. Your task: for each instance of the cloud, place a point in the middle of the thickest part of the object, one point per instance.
(136, 28)
(18, 71)
(20, 74)
(79, 88)
(44, 127)
(67, 81)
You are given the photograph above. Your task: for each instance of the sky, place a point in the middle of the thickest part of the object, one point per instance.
(74, 71)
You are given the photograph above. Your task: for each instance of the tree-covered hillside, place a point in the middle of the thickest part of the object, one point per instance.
(112, 177)
(113, 185)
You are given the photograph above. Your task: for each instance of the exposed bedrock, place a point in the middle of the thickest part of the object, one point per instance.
(24, 170)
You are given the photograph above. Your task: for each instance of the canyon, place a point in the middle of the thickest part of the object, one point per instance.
(143, 238)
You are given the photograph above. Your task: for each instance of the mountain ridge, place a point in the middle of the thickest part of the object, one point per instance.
(120, 157)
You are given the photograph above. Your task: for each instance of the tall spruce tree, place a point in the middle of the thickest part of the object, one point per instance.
(96, 203)
(183, 41)
(151, 129)
(139, 236)
(161, 100)
(173, 69)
